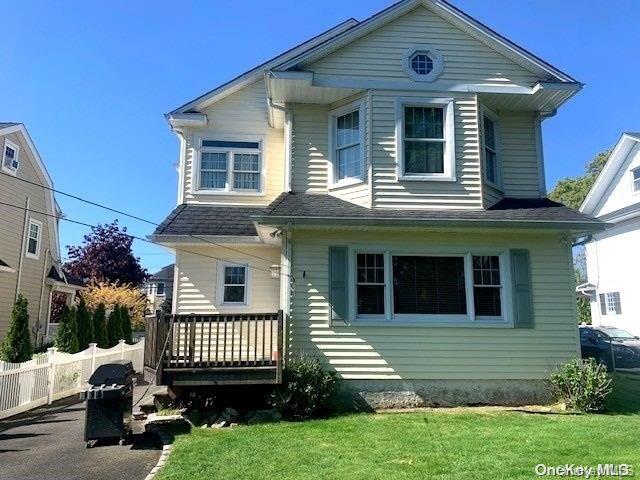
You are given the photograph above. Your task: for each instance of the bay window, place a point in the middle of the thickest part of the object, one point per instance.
(490, 149)
(230, 167)
(346, 149)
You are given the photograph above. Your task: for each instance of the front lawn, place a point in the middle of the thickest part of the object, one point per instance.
(443, 444)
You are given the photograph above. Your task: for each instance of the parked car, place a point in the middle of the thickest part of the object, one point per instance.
(600, 342)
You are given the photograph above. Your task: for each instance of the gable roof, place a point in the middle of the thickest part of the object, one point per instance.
(350, 30)
(165, 273)
(617, 158)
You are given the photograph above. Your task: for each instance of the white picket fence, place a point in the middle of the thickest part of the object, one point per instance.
(56, 375)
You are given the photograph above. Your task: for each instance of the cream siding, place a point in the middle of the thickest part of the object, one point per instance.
(12, 221)
(519, 154)
(378, 55)
(242, 113)
(465, 192)
(197, 279)
(423, 352)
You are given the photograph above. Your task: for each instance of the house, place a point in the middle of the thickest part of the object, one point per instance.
(612, 262)
(29, 248)
(382, 185)
(159, 289)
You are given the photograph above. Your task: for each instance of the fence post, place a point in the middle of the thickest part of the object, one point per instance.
(122, 344)
(51, 358)
(93, 347)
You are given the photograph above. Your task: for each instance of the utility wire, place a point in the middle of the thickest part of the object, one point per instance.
(135, 217)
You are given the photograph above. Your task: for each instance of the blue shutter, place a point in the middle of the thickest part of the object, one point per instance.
(338, 285)
(521, 289)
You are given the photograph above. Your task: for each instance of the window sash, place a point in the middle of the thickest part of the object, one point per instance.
(348, 161)
(490, 149)
(635, 179)
(239, 175)
(10, 153)
(231, 284)
(33, 238)
(160, 288)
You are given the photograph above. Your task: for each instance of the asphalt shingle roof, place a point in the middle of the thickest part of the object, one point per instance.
(68, 279)
(164, 273)
(189, 219)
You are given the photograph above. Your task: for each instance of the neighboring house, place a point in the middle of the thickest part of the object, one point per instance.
(383, 184)
(612, 259)
(159, 288)
(29, 249)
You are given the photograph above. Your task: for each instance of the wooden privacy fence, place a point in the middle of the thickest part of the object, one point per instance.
(56, 375)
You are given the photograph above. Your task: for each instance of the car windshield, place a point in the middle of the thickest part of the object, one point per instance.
(619, 334)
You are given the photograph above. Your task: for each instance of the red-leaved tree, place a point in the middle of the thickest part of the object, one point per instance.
(106, 256)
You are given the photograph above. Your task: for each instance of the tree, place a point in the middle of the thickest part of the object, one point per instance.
(106, 256)
(573, 191)
(100, 326)
(17, 346)
(67, 334)
(125, 321)
(114, 326)
(85, 325)
(111, 295)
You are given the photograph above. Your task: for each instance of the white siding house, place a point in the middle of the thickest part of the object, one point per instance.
(383, 186)
(612, 260)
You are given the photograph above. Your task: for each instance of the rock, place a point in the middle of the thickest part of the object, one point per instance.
(204, 425)
(230, 414)
(220, 424)
(233, 425)
(263, 416)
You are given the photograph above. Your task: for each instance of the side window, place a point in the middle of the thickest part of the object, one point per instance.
(230, 167)
(346, 145)
(34, 235)
(10, 160)
(635, 179)
(610, 303)
(160, 288)
(234, 284)
(490, 149)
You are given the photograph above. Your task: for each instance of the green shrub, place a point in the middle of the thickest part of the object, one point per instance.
(100, 326)
(582, 385)
(85, 325)
(306, 390)
(125, 325)
(17, 346)
(67, 334)
(114, 326)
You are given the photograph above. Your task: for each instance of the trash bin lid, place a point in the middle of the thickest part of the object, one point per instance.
(118, 371)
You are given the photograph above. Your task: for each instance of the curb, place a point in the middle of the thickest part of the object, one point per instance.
(166, 450)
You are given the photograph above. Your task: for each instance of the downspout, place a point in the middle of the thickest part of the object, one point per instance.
(21, 257)
(44, 273)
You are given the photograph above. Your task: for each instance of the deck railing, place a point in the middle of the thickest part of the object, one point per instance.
(215, 343)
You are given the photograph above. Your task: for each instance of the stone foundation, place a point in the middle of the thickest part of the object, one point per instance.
(444, 393)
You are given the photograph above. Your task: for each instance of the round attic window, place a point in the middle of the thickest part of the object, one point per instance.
(423, 63)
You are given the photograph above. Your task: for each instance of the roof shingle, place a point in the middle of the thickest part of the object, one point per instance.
(190, 219)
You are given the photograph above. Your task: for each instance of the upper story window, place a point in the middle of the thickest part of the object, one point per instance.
(635, 179)
(230, 167)
(610, 303)
(490, 149)
(423, 63)
(34, 235)
(425, 144)
(160, 288)
(10, 160)
(346, 144)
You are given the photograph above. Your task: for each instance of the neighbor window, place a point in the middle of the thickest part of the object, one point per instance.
(234, 284)
(635, 179)
(370, 284)
(34, 233)
(425, 144)
(610, 303)
(490, 150)
(230, 166)
(10, 160)
(346, 143)
(160, 288)
(487, 286)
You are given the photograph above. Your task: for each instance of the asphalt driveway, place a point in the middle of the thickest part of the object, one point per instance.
(48, 443)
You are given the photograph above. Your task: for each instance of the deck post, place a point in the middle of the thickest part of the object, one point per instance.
(162, 331)
(280, 359)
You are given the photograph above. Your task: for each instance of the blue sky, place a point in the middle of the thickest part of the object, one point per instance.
(92, 80)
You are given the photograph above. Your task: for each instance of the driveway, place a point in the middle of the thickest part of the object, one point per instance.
(48, 443)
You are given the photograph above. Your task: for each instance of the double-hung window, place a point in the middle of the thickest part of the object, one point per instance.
(487, 286)
(370, 284)
(425, 143)
(610, 303)
(346, 145)
(160, 288)
(635, 179)
(230, 166)
(490, 149)
(234, 284)
(10, 161)
(34, 235)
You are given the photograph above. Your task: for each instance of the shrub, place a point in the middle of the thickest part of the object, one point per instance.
(114, 327)
(100, 326)
(582, 385)
(67, 334)
(112, 295)
(17, 346)
(125, 325)
(85, 325)
(306, 390)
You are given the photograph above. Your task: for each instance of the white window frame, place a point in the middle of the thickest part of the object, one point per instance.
(16, 148)
(164, 289)
(498, 184)
(34, 256)
(449, 156)
(228, 188)
(610, 303)
(332, 176)
(220, 285)
(468, 319)
(436, 59)
(635, 183)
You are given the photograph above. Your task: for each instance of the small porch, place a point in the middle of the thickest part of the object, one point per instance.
(215, 349)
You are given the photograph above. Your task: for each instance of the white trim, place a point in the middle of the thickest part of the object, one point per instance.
(16, 149)
(634, 190)
(222, 265)
(358, 106)
(449, 160)
(432, 53)
(493, 117)
(198, 150)
(38, 223)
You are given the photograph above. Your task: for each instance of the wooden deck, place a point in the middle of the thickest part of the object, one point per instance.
(220, 349)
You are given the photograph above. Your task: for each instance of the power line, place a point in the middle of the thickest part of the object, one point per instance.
(135, 217)
(77, 222)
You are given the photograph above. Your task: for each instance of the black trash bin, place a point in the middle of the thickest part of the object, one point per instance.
(109, 402)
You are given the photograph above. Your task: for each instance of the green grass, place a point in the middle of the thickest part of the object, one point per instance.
(432, 444)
